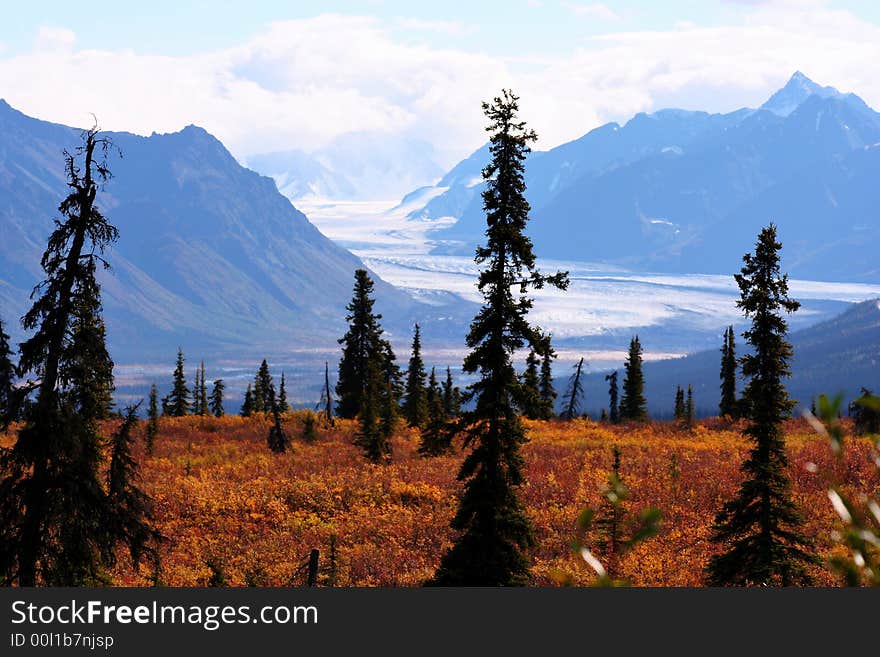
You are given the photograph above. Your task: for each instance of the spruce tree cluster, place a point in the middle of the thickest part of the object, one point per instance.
(369, 386)
(451, 396)
(759, 529)
(263, 390)
(436, 437)
(494, 532)
(545, 385)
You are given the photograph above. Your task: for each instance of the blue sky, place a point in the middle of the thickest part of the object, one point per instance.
(184, 27)
(273, 75)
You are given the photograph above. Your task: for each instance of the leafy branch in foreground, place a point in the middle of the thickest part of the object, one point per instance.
(860, 514)
(616, 532)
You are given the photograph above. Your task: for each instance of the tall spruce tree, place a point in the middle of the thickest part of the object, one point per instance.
(545, 385)
(178, 398)
(494, 530)
(327, 396)
(451, 396)
(54, 510)
(758, 530)
(415, 406)
(633, 407)
(203, 391)
(196, 395)
(152, 419)
(689, 412)
(216, 402)
(283, 405)
(362, 344)
(613, 408)
(8, 405)
(728, 406)
(571, 400)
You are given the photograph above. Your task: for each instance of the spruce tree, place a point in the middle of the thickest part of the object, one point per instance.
(203, 391)
(132, 515)
(54, 510)
(679, 403)
(531, 404)
(415, 406)
(633, 407)
(728, 406)
(361, 344)
(451, 396)
(196, 395)
(545, 386)
(216, 402)
(436, 438)
(759, 529)
(264, 390)
(689, 413)
(310, 428)
(178, 399)
(278, 439)
(571, 400)
(494, 530)
(327, 396)
(613, 408)
(8, 403)
(247, 406)
(283, 406)
(152, 419)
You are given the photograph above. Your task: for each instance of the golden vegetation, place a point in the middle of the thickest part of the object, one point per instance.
(223, 499)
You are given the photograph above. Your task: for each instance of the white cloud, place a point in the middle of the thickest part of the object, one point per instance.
(300, 83)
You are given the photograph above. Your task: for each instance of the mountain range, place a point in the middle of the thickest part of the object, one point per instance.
(688, 191)
(211, 257)
(837, 356)
(355, 166)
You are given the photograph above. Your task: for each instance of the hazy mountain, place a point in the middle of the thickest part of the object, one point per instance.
(837, 356)
(687, 191)
(210, 257)
(354, 166)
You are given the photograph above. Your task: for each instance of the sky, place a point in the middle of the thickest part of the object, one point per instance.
(271, 75)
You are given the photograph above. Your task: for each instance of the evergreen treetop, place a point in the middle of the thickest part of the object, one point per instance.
(728, 406)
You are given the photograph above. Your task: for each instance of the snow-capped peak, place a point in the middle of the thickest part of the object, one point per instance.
(798, 88)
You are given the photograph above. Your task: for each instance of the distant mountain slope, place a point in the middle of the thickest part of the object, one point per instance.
(687, 191)
(836, 356)
(210, 255)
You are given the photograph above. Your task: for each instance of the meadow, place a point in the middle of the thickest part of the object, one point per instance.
(234, 513)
